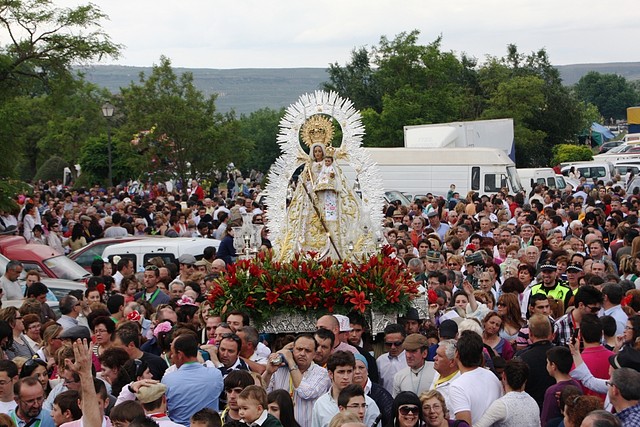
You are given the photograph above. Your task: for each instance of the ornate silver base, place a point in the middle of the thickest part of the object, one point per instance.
(306, 322)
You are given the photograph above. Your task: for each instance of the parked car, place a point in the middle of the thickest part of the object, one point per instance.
(609, 145)
(167, 248)
(85, 255)
(59, 287)
(46, 260)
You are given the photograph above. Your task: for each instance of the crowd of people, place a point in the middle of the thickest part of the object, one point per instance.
(532, 319)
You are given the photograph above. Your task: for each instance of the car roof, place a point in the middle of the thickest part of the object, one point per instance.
(38, 251)
(164, 241)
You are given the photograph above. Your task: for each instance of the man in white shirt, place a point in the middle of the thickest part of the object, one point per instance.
(10, 289)
(418, 375)
(466, 402)
(613, 294)
(8, 377)
(395, 360)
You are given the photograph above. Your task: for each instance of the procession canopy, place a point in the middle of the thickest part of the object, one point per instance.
(324, 214)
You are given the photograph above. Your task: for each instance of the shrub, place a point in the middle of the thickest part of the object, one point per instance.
(570, 153)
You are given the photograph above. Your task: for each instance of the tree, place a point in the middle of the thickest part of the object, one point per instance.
(356, 81)
(44, 41)
(260, 129)
(610, 93)
(177, 129)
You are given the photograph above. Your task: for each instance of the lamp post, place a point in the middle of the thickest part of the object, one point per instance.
(107, 112)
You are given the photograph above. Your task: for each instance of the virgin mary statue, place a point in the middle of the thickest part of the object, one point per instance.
(325, 216)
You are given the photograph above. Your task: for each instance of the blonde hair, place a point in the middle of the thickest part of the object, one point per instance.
(426, 395)
(344, 417)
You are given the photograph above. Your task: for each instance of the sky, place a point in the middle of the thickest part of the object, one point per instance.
(286, 33)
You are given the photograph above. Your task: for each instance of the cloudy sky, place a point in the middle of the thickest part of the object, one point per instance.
(286, 33)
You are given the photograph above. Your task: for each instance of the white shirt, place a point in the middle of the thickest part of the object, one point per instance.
(621, 318)
(326, 407)
(465, 396)
(388, 367)
(5, 407)
(416, 381)
(11, 290)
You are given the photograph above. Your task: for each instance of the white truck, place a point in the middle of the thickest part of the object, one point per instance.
(479, 133)
(530, 177)
(433, 170)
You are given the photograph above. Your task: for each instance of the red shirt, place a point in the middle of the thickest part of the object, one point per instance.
(597, 359)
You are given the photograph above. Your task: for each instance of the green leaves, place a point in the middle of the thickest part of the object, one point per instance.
(610, 93)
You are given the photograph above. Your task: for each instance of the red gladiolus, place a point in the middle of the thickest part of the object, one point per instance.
(432, 296)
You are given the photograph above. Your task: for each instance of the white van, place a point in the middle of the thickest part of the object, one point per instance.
(531, 177)
(433, 170)
(601, 170)
(167, 248)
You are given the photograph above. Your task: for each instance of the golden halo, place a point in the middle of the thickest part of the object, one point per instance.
(318, 129)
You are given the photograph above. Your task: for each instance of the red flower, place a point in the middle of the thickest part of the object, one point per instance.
(272, 297)
(250, 302)
(433, 297)
(627, 300)
(359, 301)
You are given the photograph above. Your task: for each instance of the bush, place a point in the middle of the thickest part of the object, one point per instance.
(570, 153)
(51, 170)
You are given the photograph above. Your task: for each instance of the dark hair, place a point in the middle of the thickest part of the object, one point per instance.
(357, 319)
(238, 378)
(283, 399)
(208, 416)
(143, 422)
(586, 295)
(561, 357)
(122, 263)
(407, 398)
(469, 348)
(115, 302)
(30, 365)
(67, 303)
(130, 371)
(187, 344)
(126, 411)
(517, 372)
(609, 326)
(614, 293)
(324, 334)
(129, 332)
(395, 328)
(9, 367)
(114, 357)
(352, 390)
(245, 316)
(591, 328)
(68, 401)
(37, 289)
(340, 358)
(106, 321)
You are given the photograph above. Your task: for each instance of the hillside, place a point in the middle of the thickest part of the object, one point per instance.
(247, 90)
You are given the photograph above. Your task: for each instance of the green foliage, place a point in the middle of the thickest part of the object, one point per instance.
(43, 41)
(570, 153)
(52, 169)
(8, 190)
(610, 93)
(175, 129)
(260, 130)
(356, 81)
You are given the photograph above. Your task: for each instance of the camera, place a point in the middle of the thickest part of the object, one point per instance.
(278, 359)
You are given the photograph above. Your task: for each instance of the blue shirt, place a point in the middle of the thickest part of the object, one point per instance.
(44, 418)
(191, 388)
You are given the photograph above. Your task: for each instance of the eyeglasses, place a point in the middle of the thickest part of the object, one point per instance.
(501, 304)
(189, 265)
(99, 331)
(609, 383)
(452, 264)
(406, 410)
(435, 407)
(358, 406)
(67, 381)
(393, 343)
(35, 401)
(628, 328)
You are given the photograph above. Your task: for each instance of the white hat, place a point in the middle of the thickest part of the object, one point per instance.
(345, 324)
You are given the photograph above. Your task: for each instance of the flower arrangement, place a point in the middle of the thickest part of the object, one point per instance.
(266, 287)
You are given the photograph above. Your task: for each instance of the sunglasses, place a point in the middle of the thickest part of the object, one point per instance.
(151, 268)
(406, 410)
(393, 343)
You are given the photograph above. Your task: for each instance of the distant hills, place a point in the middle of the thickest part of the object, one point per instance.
(249, 89)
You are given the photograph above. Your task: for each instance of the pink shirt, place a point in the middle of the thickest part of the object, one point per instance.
(597, 360)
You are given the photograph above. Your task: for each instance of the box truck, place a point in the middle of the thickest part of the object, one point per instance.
(433, 170)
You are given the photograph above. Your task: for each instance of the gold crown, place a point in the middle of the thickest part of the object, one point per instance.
(318, 129)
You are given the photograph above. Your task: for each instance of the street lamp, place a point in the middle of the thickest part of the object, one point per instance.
(107, 112)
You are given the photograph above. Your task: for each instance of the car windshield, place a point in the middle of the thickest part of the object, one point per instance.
(64, 268)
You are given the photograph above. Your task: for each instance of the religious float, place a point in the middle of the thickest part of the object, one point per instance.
(328, 251)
